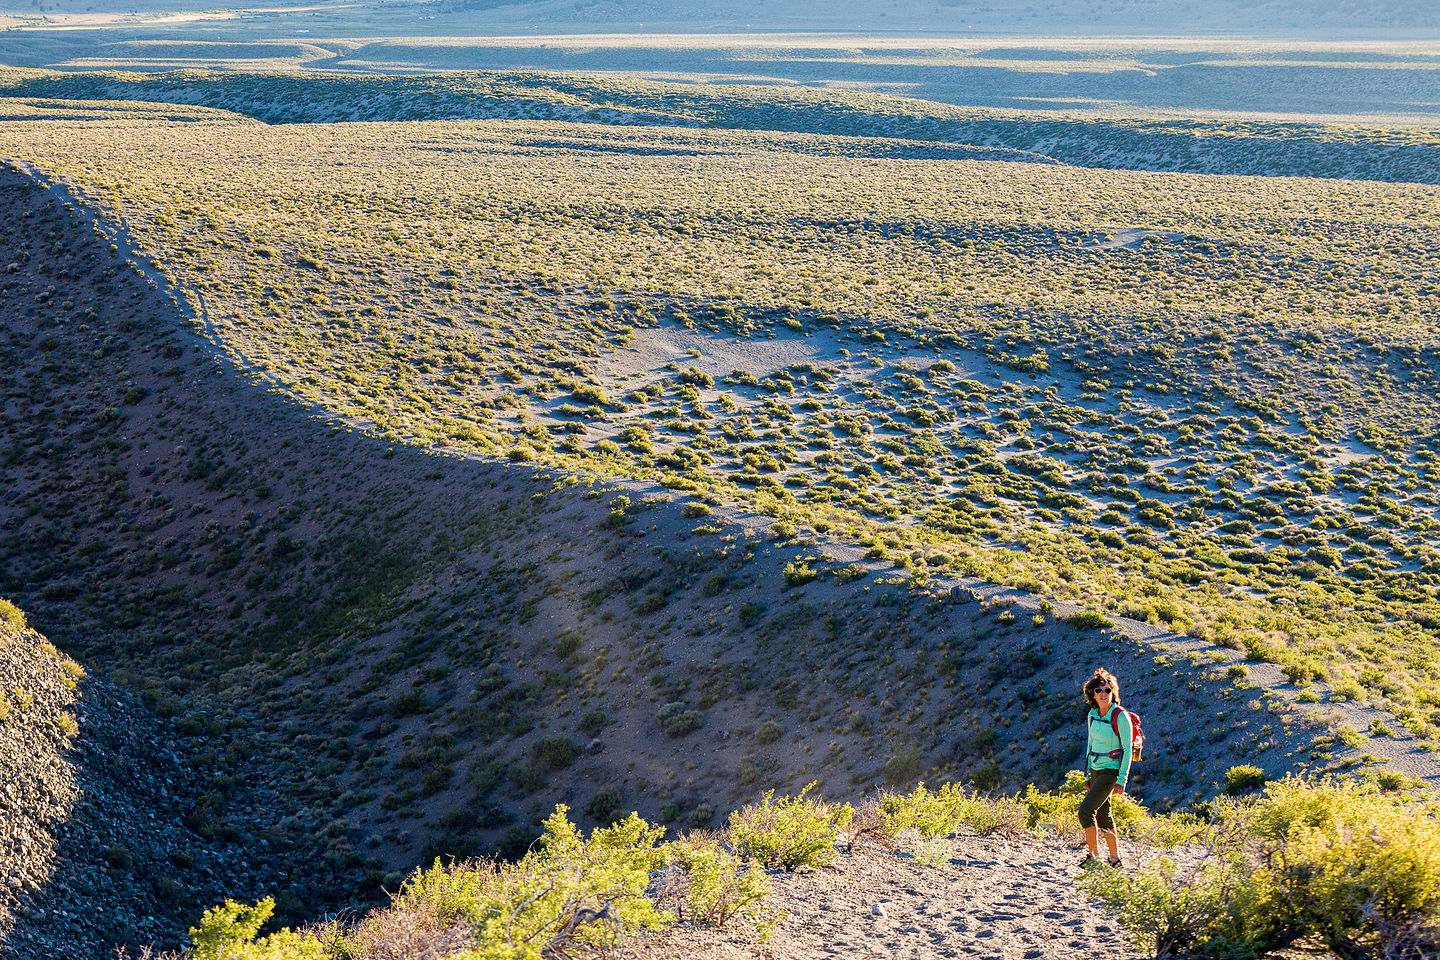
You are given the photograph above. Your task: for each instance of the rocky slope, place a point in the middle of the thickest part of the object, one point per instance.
(37, 784)
(98, 814)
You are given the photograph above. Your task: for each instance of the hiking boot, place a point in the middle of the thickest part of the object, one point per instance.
(1090, 862)
(1115, 863)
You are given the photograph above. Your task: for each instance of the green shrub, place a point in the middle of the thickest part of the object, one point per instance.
(1346, 689)
(1298, 672)
(1351, 737)
(769, 732)
(934, 814)
(790, 832)
(987, 777)
(904, 766)
(11, 616)
(409, 703)
(228, 932)
(798, 574)
(678, 720)
(606, 806)
(1392, 780)
(535, 907)
(1005, 816)
(594, 721)
(556, 753)
(585, 395)
(567, 644)
(928, 814)
(718, 885)
(1243, 779)
(1332, 862)
(1089, 620)
(1204, 914)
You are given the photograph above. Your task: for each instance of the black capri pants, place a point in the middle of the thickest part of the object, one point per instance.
(1096, 805)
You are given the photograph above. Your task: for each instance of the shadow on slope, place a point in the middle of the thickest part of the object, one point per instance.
(107, 828)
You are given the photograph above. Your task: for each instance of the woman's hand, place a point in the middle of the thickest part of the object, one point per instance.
(1118, 790)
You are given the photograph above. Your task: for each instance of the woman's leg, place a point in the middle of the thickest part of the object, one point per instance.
(1097, 799)
(1106, 822)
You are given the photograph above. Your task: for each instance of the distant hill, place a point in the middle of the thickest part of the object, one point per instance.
(1070, 17)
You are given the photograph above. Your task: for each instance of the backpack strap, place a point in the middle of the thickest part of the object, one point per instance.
(1119, 752)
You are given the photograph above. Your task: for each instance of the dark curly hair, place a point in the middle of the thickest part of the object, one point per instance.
(1101, 676)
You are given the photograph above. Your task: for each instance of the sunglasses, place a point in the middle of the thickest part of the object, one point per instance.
(1102, 690)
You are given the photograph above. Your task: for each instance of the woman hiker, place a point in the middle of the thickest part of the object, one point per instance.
(1107, 764)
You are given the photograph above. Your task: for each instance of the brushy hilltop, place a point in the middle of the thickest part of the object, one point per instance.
(1293, 148)
(1203, 402)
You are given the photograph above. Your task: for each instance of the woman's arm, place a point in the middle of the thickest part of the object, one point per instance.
(1127, 737)
(1089, 747)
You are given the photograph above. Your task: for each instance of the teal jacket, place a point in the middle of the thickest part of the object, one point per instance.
(1104, 750)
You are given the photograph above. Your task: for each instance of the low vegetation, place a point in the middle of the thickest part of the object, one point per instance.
(1320, 862)
(1316, 860)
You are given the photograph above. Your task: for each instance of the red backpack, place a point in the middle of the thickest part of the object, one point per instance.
(1137, 738)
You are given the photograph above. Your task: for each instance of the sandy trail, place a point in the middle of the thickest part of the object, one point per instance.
(986, 897)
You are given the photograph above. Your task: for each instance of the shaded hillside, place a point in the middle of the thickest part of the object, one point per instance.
(370, 654)
(105, 829)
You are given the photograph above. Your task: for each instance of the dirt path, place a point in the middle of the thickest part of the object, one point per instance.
(1127, 239)
(989, 897)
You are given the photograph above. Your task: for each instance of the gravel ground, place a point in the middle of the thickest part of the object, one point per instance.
(986, 897)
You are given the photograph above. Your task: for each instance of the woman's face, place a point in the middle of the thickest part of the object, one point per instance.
(1102, 694)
